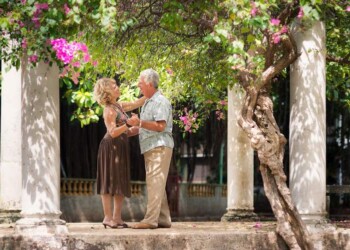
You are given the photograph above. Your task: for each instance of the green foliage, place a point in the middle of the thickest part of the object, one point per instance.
(196, 46)
(338, 48)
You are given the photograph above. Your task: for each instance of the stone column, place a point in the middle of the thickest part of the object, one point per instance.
(40, 152)
(307, 130)
(11, 146)
(240, 165)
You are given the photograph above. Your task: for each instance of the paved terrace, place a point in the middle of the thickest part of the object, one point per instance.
(182, 236)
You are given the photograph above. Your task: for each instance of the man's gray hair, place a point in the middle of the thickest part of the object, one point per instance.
(150, 76)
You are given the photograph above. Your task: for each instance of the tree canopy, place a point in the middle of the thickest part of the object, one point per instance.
(196, 46)
(199, 48)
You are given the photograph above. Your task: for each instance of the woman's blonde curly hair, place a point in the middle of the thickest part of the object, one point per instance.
(102, 91)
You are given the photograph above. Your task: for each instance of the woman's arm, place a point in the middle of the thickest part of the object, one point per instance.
(127, 106)
(109, 116)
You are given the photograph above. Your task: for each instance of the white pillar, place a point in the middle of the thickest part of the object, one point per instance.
(307, 131)
(11, 146)
(240, 165)
(40, 152)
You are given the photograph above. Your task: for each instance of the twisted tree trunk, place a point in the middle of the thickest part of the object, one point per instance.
(258, 122)
(269, 143)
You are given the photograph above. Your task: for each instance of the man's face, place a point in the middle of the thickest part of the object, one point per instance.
(143, 86)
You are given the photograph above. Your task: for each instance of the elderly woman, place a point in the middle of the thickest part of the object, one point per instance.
(113, 170)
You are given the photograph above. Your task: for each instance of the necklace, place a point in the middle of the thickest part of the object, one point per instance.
(121, 110)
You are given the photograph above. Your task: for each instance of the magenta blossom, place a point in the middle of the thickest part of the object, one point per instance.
(347, 8)
(284, 29)
(301, 13)
(66, 9)
(169, 71)
(76, 64)
(75, 77)
(189, 121)
(254, 10)
(223, 102)
(23, 1)
(41, 6)
(21, 24)
(24, 43)
(258, 225)
(275, 21)
(276, 38)
(66, 51)
(219, 115)
(33, 58)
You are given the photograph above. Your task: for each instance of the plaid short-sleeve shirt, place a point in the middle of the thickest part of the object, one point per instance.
(157, 108)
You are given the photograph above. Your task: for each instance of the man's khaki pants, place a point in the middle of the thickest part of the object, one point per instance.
(157, 163)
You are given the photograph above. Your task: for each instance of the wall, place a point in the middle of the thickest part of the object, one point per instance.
(80, 203)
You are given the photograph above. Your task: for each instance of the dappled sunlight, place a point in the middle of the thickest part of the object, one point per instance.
(307, 138)
(41, 155)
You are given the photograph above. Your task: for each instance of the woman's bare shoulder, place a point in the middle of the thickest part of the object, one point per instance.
(108, 111)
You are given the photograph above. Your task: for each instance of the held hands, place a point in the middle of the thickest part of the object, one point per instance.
(133, 131)
(134, 120)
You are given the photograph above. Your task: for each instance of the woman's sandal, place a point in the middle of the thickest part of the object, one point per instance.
(111, 225)
(122, 225)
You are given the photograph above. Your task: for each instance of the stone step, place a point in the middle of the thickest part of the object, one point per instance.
(181, 236)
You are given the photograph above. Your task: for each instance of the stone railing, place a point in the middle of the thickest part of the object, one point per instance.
(81, 187)
(71, 186)
(186, 200)
(74, 186)
(200, 190)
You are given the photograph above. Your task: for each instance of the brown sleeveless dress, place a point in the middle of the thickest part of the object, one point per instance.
(113, 161)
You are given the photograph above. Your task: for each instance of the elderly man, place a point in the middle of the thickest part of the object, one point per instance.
(156, 143)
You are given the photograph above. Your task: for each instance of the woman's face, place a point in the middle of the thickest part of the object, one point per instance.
(115, 90)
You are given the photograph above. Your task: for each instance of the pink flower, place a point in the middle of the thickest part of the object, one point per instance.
(33, 58)
(284, 29)
(24, 43)
(276, 38)
(87, 58)
(64, 72)
(169, 71)
(301, 13)
(21, 24)
(254, 10)
(75, 77)
(94, 63)
(66, 9)
(275, 21)
(36, 21)
(183, 119)
(66, 51)
(347, 8)
(223, 102)
(41, 6)
(76, 64)
(23, 1)
(219, 115)
(257, 225)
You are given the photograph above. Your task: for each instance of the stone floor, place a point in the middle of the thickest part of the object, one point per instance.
(181, 236)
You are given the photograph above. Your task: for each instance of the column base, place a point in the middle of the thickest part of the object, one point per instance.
(317, 222)
(41, 226)
(239, 215)
(9, 216)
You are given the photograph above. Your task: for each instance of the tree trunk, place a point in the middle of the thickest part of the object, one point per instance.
(259, 123)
